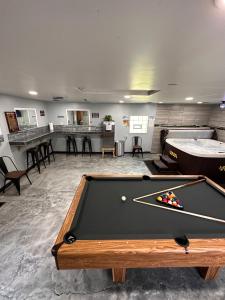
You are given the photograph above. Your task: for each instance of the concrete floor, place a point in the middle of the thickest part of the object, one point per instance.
(29, 225)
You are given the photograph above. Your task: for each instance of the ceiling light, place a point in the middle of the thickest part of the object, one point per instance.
(33, 93)
(222, 104)
(199, 102)
(57, 98)
(127, 97)
(189, 98)
(220, 3)
(160, 102)
(121, 101)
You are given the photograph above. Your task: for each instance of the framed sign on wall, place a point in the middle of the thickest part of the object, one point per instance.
(95, 115)
(11, 121)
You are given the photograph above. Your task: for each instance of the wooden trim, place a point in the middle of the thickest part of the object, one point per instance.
(71, 212)
(140, 254)
(118, 275)
(208, 273)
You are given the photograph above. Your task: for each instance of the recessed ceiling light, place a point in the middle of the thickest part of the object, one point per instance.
(34, 93)
(127, 97)
(121, 101)
(199, 102)
(189, 98)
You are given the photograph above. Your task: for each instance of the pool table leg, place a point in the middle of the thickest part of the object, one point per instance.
(118, 275)
(208, 273)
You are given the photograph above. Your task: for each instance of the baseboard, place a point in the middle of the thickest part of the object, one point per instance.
(72, 153)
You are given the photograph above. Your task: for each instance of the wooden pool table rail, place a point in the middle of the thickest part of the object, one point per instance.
(209, 254)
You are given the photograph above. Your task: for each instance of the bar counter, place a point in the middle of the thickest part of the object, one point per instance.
(26, 137)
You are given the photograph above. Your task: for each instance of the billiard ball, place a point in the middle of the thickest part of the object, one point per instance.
(123, 198)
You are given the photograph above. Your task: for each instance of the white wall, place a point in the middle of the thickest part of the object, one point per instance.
(8, 103)
(116, 110)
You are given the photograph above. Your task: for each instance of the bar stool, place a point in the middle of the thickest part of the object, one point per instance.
(71, 140)
(86, 140)
(37, 156)
(48, 150)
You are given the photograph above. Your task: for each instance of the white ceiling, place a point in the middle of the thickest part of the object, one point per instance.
(98, 49)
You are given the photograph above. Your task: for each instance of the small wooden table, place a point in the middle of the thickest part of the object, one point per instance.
(108, 149)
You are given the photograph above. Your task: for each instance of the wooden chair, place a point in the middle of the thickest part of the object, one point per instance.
(137, 145)
(13, 176)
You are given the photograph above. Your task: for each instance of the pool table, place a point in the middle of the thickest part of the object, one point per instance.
(102, 231)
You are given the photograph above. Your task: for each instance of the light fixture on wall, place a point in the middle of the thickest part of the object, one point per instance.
(127, 97)
(33, 93)
(199, 102)
(121, 101)
(189, 98)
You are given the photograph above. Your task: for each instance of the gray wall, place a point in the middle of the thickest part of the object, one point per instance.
(179, 115)
(183, 114)
(8, 103)
(53, 110)
(116, 110)
(217, 119)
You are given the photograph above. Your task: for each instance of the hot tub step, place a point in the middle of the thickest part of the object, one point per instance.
(160, 165)
(169, 162)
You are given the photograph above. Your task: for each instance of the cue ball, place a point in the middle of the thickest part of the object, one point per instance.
(123, 198)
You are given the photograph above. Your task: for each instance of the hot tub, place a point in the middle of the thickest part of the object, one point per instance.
(198, 156)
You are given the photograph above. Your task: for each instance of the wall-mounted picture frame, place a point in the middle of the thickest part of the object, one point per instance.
(11, 121)
(125, 121)
(42, 113)
(95, 115)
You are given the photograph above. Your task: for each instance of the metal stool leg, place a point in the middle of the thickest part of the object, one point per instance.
(48, 153)
(36, 160)
(28, 179)
(74, 146)
(42, 157)
(27, 159)
(83, 147)
(51, 148)
(90, 147)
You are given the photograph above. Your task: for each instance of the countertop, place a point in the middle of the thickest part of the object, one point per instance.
(23, 141)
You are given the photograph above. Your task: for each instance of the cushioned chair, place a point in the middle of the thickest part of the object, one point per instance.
(13, 176)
